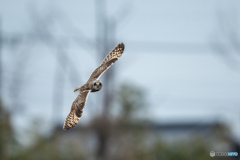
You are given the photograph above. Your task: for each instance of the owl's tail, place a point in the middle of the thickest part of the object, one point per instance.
(77, 89)
(84, 87)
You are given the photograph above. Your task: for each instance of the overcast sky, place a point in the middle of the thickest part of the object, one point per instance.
(168, 48)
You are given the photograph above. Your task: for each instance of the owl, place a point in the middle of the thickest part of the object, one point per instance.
(92, 85)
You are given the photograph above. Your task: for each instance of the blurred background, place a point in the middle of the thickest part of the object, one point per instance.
(174, 94)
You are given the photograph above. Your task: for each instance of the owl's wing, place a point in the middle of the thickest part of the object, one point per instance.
(76, 110)
(111, 58)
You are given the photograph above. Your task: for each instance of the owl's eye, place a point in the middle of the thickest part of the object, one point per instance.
(94, 84)
(100, 84)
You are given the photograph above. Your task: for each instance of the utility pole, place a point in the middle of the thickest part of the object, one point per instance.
(105, 39)
(100, 48)
(1, 41)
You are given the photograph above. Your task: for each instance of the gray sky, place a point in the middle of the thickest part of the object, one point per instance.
(187, 84)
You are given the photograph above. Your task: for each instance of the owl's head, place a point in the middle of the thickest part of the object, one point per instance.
(96, 86)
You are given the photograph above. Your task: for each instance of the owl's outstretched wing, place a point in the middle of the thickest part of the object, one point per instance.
(111, 58)
(76, 110)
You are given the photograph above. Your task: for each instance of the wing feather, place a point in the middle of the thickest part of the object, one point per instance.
(79, 103)
(76, 110)
(111, 58)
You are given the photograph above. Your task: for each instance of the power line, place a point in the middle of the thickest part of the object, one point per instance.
(139, 46)
(163, 47)
(0, 54)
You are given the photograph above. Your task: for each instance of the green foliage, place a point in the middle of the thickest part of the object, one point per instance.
(132, 101)
(136, 142)
(50, 149)
(128, 138)
(182, 150)
(6, 133)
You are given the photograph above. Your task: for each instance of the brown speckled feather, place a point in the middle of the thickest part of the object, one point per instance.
(111, 58)
(79, 103)
(76, 110)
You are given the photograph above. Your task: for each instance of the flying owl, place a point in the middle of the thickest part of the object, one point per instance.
(92, 85)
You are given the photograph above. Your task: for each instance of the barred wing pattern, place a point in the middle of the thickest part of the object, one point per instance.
(79, 103)
(111, 58)
(76, 110)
